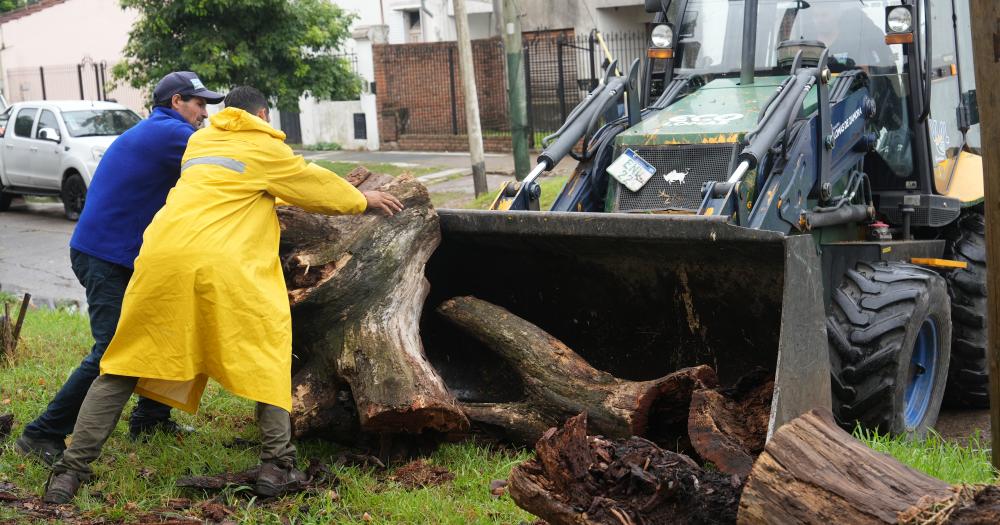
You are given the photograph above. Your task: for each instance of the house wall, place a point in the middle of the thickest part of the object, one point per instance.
(330, 122)
(58, 35)
(67, 32)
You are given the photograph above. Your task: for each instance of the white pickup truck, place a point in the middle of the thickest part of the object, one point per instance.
(52, 148)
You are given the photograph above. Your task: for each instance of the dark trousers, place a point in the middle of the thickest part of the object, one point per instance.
(105, 283)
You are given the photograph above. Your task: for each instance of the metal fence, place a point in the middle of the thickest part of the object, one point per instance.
(420, 90)
(561, 68)
(83, 81)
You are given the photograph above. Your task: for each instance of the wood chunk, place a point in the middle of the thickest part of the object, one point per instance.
(357, 287)
(813, 472)
(730, 432)
(560, 384)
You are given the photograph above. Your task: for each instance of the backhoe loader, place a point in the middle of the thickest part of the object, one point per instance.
(795, 185)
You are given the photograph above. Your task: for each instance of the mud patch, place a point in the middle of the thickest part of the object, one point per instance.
(6, 424)
(419, 474)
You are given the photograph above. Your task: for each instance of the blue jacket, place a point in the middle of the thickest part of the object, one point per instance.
(130, 185)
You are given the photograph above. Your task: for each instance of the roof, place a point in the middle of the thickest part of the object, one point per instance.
(71, 105)
(28, 10)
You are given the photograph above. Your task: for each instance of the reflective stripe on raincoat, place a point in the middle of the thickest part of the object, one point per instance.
(208, 298)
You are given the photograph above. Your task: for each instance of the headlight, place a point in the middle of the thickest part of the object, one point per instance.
(900, 20)
(97, 152)
(662, 36)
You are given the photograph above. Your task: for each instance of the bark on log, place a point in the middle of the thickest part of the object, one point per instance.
(813, 472)
(356, 287)
(583, 480)
(558, 383)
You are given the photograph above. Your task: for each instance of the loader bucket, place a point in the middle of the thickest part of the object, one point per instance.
(639, 296)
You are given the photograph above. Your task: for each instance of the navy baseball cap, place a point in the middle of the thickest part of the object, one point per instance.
(183, 83)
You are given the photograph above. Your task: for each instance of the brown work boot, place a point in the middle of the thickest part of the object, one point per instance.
(273, 480)
(61, 487)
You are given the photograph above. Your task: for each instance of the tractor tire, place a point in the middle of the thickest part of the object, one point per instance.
(890, 345)
(968, 376)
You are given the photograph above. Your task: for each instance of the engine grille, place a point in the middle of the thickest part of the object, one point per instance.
(701, 162)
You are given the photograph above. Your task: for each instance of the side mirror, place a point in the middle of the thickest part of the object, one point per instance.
(49, 134)
(968, 110)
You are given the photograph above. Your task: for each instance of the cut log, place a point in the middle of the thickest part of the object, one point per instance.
(356, 287)
(813, 472)
(583, 480)
(558, 383)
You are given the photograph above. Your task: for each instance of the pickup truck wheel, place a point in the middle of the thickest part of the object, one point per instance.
(74, 194)
(5, 200)
(890, 335)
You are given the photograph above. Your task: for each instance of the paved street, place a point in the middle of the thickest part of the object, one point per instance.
(34, 254)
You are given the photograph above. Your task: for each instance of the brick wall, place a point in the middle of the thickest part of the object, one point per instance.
(419, 93)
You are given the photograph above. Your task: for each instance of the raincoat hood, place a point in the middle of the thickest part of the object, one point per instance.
(236, 119)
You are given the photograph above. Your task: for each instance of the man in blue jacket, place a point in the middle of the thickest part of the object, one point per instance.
(130, 185)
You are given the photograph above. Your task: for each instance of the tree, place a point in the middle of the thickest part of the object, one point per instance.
(10, 5)
(285, 48)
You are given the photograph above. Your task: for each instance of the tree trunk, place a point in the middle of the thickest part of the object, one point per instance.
(813, 472)
(356, 287)
(558, 383)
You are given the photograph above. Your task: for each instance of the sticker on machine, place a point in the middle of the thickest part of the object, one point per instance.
(631, 170)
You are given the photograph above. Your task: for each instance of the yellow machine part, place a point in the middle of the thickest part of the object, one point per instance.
(966, 184)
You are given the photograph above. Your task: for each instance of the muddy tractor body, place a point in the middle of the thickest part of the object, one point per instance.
(794, 186)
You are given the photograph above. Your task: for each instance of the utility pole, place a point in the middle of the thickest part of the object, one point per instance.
(985, 36)
(468, 72)
(516, 90)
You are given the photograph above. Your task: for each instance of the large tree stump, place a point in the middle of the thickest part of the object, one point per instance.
(356, 287)
(813, 472)
(558, 383)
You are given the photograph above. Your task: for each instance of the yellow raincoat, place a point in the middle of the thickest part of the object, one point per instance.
(207, 298)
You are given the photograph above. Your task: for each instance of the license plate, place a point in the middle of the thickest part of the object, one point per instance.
(631, 170)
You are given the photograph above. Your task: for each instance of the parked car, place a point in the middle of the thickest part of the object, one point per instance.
(52, 148)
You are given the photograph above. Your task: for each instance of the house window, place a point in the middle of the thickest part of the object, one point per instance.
(360, 127)
(411, 22)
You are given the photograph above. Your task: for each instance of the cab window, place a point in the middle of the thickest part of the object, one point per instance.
(46, 120)
(25, 119)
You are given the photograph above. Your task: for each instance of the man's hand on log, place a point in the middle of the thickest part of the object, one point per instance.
(384, 202)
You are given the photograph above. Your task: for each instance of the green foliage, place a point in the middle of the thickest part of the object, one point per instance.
(10, 5)
(935, 456)
(322, 146)
(283, 48)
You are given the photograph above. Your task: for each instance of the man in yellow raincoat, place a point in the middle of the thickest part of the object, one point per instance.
(208, 297)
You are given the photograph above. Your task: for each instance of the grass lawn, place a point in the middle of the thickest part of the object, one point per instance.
(551, 185)
(937, 457)
(134, 478)
(343, 168)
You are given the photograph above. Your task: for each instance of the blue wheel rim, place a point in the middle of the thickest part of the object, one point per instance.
(920, 380)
